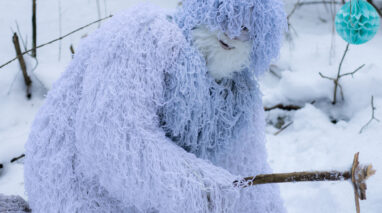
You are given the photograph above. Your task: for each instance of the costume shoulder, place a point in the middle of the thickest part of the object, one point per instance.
(141, 34)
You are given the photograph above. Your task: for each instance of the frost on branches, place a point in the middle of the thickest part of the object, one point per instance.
(138, 124)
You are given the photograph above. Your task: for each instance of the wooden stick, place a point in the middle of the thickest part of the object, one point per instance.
(293, 177)
(34, 30)
(358, 176)
(353, 180)
(27, 80)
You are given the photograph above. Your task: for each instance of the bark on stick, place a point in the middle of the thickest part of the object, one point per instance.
(34, 30)
(293, 177)
(27, 80)
(358, 174)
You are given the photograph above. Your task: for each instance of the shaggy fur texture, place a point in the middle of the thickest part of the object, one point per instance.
(137, 124)
(264, 19)
(13, 204)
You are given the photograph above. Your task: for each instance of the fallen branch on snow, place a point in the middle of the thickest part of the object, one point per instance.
(283, 107)
(358, 176)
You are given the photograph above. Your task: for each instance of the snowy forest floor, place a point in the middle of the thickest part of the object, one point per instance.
(321, 136)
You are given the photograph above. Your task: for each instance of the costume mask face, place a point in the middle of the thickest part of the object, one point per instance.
(223, 55)
(216, 28)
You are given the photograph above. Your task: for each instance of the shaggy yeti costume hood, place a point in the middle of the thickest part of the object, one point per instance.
(137, 124)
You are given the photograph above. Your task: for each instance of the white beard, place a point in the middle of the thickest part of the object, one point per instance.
(222, 61)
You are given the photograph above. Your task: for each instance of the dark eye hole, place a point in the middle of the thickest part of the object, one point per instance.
(244, 29)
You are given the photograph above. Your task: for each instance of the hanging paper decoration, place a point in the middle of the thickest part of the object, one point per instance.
(357, 22)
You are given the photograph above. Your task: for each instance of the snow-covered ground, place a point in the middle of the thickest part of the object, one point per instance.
(312, 142)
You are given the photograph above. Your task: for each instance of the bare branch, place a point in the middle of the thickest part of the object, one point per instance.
(21, 37)
(283, 107)
(283, 128)
(336, 81)
(342, 60)
(373, 108)
(352, 73)
(298, 4)
(327, 77)
(57, 39)
(17, 158)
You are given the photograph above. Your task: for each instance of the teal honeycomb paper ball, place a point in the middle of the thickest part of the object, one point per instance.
(357, 22)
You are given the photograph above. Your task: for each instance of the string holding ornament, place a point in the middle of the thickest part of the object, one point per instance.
(357, 22)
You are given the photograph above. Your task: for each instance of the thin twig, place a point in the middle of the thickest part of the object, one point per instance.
(352, 73)
(21, 37)
(57, 39)
(339, 74)
(298, 4)
(373, 108)
(336, 80)
(283, 128)
(327, 77)
(17, 158)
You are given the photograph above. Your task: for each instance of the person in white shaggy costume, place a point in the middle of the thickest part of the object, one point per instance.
(160, 113)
